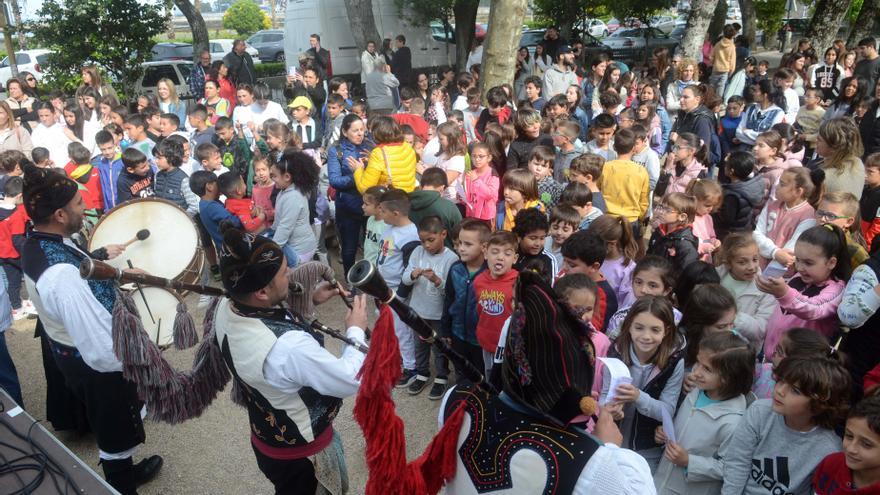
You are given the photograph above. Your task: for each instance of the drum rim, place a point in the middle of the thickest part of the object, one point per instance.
(141, 200)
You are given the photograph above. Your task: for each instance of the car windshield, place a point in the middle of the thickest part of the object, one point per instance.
(530, 38)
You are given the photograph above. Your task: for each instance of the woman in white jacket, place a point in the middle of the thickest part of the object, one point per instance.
(741, 265)
(707, 418)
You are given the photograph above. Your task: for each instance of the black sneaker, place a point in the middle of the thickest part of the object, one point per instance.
(406, 378)
(417, 385)
(438, 390)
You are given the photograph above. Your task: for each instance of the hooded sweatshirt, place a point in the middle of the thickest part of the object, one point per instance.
(424, 203)
(724, 56)
(738, 207)
(556, 81)
(678, 246)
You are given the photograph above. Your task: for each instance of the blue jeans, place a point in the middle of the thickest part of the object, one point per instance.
(8, 375)
(350, 228)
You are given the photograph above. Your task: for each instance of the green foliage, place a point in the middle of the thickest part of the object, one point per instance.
(269, 69)
(854, 8)
(422, 12)
(116, 35)
(639, 9)
(770, 14)
(245, 18)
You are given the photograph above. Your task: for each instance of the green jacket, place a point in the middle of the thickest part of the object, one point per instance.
(429, 203)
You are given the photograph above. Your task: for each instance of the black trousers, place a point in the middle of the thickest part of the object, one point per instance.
(112, 404)
(290, 477)
(472, 353)
(63, 409)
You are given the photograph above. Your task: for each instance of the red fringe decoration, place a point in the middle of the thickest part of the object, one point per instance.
(171, 396)
(374, 411)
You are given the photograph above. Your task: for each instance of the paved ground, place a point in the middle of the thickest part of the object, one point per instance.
(212, 454)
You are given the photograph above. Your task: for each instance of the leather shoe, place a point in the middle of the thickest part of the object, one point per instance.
(147, 469)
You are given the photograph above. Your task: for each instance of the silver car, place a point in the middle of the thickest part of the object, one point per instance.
(269, 43)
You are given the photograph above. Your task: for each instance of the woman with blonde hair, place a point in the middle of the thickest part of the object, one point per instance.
(840, 146)
(168, 100)
(687, 76)
(13, 137)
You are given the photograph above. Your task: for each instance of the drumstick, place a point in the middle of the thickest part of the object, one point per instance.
(146, 304)
(140, 236)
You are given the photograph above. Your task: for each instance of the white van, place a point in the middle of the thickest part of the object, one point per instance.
(329, 19)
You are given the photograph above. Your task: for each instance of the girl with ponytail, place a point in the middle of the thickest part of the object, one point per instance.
(810, 299)
(622, 249)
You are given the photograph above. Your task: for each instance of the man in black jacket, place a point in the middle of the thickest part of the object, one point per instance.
(321, 56)
(240, 64)
(401, 62)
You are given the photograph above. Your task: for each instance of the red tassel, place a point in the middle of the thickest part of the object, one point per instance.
(374, 411)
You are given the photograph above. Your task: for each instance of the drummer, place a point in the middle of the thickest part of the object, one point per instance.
(293, 387)
(77, 318)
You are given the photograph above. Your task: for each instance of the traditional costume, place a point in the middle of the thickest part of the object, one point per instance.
(76, 318)
(523, 440)
(292, 387)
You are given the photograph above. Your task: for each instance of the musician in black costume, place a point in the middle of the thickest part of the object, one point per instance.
(292, 386)
(525, 440)
(76, 318)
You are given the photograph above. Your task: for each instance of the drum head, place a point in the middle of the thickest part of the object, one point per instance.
(173, 241)
(159, 320)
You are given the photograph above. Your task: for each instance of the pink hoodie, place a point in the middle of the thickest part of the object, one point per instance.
(704, 230)
(680, 183)
(481, 196)
(805, 305)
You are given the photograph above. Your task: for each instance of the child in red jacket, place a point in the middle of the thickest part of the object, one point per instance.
(252, 218)
(494, 291)
(12, 226)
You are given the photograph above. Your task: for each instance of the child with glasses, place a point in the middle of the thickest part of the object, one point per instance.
(673, 236)
(841, 208)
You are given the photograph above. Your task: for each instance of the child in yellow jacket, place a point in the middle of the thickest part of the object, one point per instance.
(391, 163)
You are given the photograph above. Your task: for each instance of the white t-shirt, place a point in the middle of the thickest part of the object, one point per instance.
(243, 115)
(54, 140)
(453, 164)
(272, 111)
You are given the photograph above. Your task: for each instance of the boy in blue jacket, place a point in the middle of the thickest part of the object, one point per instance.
(459, 321)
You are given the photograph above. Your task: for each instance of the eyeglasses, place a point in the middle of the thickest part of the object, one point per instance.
(679, 148)
(661, 208)
(827, 215)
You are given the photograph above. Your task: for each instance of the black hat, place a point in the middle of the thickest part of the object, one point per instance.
(549, 359)
(45, 191)
(248, 262)
(563, 49)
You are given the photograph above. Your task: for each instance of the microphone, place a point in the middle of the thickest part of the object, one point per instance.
(141, 235)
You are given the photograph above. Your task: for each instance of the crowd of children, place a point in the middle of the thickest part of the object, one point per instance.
(718, 257)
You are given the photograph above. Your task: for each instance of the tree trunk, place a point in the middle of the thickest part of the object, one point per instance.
(196, 24)
(169, 19)
(719, 18)
(499, 59)
(826, 21)
(864, 25)
(698, 22)
(362, 24)
(272, 6)
(19, 27)
(465, 12)
(750, 21)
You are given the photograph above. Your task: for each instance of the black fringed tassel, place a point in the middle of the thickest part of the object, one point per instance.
(185, 335)
(238, 394)
(171, 396)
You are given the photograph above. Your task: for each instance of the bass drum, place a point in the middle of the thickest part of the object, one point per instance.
(173, 249)
(157, 308)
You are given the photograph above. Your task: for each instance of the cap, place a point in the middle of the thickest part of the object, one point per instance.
(301, 101)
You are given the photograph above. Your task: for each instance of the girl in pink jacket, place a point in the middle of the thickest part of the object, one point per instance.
(689, 154)
(707, 192)
(811, 297)
(481, 185)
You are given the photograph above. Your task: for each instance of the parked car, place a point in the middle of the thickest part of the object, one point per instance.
(592, 46)
(219, 49)
(614, 24)
(664, 23)
(171, 51)
(176, 70)
(682, 19)
(678, 33)
(595, 27)
(33, 61)
(269, 44)
(634, 45)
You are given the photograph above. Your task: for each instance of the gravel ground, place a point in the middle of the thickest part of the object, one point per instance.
(212, 453)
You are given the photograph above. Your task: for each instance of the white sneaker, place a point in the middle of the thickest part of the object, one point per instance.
(18, 314)
(29, 307)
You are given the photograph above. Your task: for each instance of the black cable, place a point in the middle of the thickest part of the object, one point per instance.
(44, 463)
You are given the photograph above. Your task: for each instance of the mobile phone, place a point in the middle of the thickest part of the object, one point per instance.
(291, 71)
(774, 270)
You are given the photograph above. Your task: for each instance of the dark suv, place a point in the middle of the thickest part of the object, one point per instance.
(171, 51)
(270, 44)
